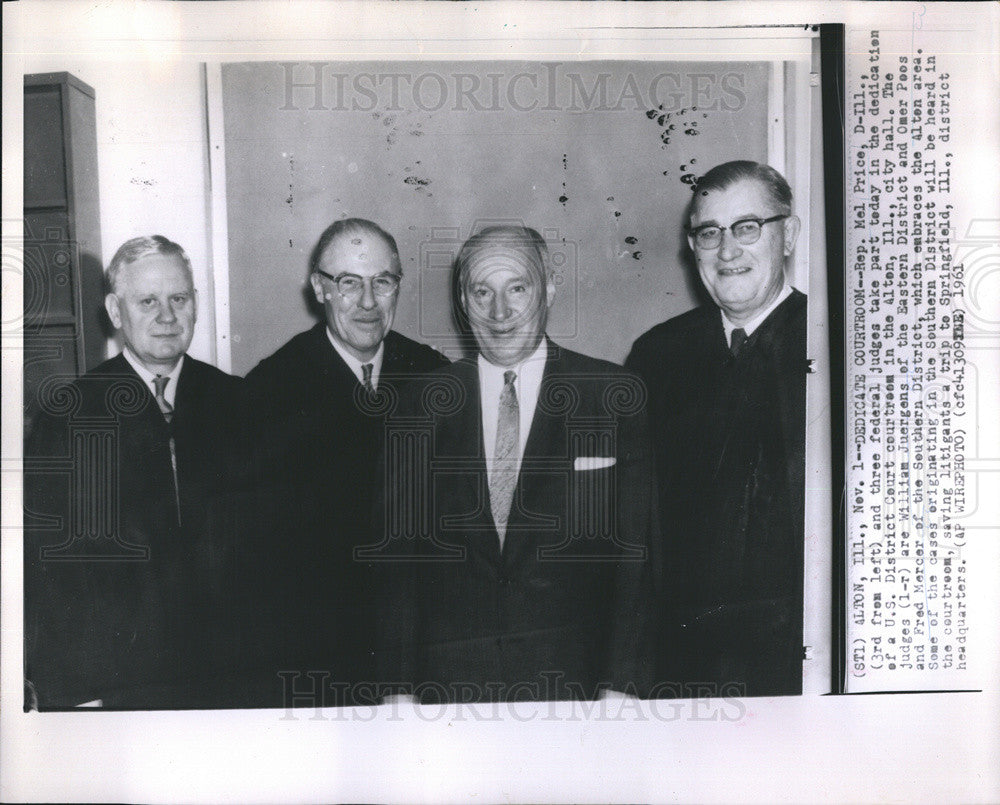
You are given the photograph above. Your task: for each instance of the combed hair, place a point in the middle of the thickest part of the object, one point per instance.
(351, 226)
(520, 238)
(729, 173)
(137, 248)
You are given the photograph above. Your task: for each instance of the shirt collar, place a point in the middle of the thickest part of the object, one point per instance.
(528, 370)
(354, 364)
(147, 376)
(756, 321)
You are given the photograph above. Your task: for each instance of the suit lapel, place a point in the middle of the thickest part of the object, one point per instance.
(541, 484)
(150, 411)
(461, 437)
(188, 392)
(144, 445)
(336, 382)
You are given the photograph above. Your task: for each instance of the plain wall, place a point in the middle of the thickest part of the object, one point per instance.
(596, 177)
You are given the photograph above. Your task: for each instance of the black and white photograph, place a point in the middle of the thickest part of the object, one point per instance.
(540, 401)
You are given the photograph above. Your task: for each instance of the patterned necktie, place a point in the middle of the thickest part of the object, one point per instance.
(160, 384)
(504, 477)
(737, 339)
(366, 371)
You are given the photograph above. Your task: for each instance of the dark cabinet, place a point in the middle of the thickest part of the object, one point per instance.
(65, 331)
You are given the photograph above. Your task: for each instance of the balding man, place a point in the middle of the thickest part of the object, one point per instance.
(516, 539)
(129, 533)
(316, 410)
(727, 388)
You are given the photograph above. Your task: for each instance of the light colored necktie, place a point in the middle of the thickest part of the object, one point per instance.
(366, 371)
(504, 477)
(160, 386)
(737, 339)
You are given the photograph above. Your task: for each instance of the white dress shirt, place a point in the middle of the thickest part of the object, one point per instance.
(170, 392)
(355, 365)
(527, 385)
(757, 320)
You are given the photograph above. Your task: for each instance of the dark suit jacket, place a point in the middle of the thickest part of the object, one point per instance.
(123, 601)
(559, 613)
(317, 445)
(730, 450)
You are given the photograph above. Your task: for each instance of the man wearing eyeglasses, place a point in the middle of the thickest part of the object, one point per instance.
(316, 408)
(727, 401)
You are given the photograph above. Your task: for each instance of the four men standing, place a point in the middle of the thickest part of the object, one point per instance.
(539, 525)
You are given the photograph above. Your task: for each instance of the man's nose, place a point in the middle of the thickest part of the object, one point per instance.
(729, 249)
(166, 313)
(498, 308)
(367, 300)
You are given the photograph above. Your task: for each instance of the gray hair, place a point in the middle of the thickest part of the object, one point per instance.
(137, 248)
(521, 239)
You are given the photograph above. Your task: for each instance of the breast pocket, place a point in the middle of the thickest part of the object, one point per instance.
(590, 514)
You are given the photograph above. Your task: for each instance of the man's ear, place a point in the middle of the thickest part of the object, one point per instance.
(792, 226)
(114, 312)
(317, 284)
(194, 305)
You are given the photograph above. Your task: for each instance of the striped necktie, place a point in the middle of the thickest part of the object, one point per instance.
(160, 385)
(504, 477)
(366, 371)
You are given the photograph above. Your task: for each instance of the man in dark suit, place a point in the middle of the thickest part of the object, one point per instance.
(515, 542)
(727, 398)
(129, 534)
(316, 408)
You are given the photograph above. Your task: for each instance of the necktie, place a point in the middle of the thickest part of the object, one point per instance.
(366, 371)
(160, 386)
(504, 477)
(737, 339)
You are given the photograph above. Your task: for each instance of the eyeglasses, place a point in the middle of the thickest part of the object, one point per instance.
(746, 231)
(352, 286)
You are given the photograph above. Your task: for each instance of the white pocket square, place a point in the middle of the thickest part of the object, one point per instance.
(593, 462)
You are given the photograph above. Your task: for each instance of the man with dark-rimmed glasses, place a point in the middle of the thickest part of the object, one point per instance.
(316, 409)
(727, 402)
